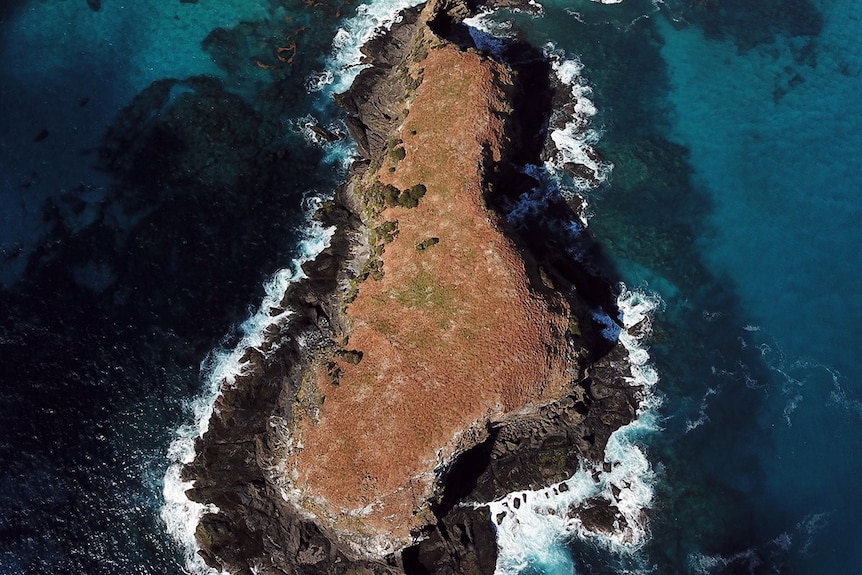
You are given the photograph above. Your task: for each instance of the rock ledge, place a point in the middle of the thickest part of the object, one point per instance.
(436, 356)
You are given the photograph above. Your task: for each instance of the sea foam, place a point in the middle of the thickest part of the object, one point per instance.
(221, 368)
(533, 526)
(572, 135)
(489, 35)
(345, 58)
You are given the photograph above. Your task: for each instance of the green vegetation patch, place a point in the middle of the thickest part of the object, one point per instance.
(373, 267)
(380, 196)
(425, 244)
(410, 197)
(351, 356)
(398, 153)
(554, 461)
(424, 291)
(385, 232)
(334, 372)
(545, 278)
(574, 326)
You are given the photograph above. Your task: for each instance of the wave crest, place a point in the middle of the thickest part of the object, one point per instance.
(572, 134)
(345, 58)
(534, 529)
(221, 368)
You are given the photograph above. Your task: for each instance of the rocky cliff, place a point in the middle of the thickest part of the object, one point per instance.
(436, 355)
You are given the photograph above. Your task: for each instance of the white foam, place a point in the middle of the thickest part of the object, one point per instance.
(575, 140)
(345, 59)
(339, 153)
(534, 202)
(702, 564)
(809, 527)
(221, 368)
(489, 35)
(702, 417)
(783, 541)
(537, 529)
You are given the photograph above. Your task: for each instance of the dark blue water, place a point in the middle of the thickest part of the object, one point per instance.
(735, 196)
(153, 177)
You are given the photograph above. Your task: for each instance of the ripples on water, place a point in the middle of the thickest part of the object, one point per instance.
(734, 146)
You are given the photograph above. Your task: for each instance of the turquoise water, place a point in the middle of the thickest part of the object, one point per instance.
(775, 155)
(734, 196)
(776, 149)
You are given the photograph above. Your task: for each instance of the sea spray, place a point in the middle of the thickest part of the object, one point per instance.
(533, 526)
(570, 149)
(221, 368)
(572, 133)
(571, 167)
(345, 59)
(339, 150)
(489, 35)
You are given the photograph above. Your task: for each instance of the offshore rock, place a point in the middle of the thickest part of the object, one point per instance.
(411, 383)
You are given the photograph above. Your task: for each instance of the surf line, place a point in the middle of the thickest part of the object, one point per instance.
(532, 526)
(221, 368)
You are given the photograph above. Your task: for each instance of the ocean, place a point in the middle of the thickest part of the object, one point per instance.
(157, 177)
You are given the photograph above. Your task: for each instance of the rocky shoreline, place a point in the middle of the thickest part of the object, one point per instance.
(241, 462)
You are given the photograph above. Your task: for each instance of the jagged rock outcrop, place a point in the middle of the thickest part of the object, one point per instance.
(267, 459)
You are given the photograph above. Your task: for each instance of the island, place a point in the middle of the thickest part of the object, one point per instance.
(437, 357)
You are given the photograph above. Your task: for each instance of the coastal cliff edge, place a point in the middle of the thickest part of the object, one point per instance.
(437, 357)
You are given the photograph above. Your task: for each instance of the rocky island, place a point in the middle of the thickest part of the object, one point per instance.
(437, 357)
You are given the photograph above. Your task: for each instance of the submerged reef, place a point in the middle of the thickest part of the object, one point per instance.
(437, 357)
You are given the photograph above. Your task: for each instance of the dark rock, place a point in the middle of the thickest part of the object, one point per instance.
(375, 100)
(358, 132)
(464, 542)
(255, 526)
(324, 134)
(582, 171)
(600, 516)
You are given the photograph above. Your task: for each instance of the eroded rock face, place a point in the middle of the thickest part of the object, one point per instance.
(453, 337)
(444, 357)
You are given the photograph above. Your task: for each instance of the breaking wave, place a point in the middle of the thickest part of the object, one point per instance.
(221, 368)
(533, 526)
(345, 59)
(489, 35)
(572, 133)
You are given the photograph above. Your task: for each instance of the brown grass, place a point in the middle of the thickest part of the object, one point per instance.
(451, 335)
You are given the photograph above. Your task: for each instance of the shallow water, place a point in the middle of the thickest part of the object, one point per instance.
(734, 196)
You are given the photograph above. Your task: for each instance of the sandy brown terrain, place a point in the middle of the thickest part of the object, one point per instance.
(452, 335)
